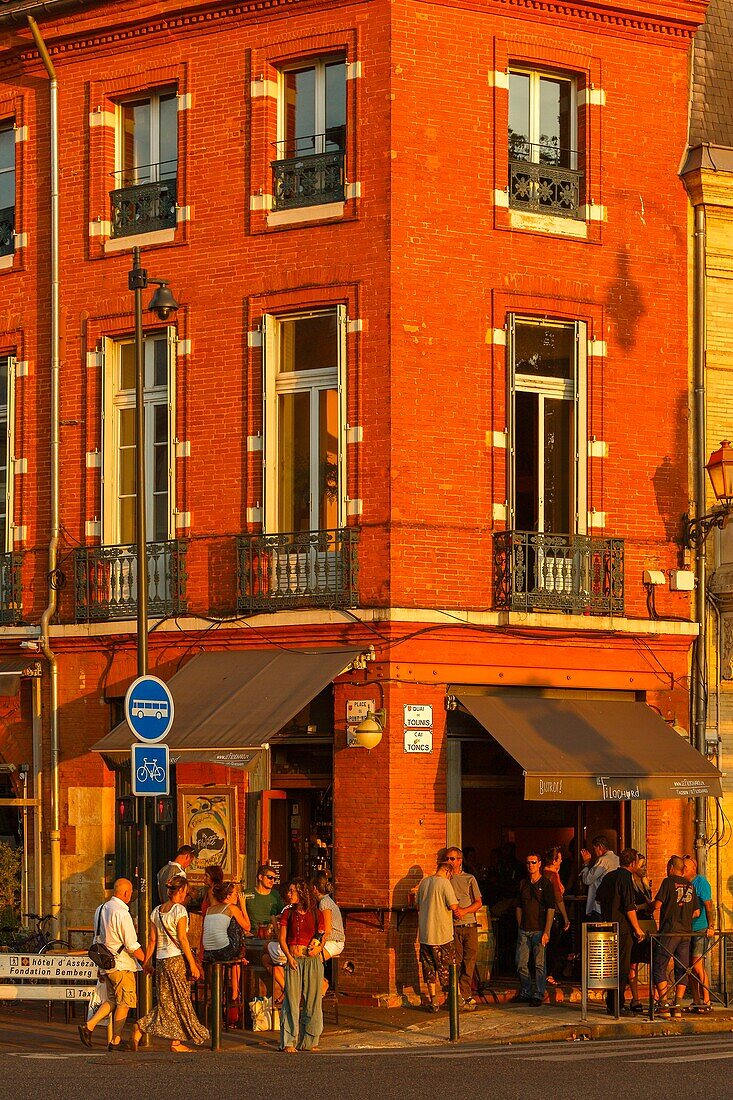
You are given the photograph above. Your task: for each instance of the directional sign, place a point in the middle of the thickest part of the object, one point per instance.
(47, 992)
(149, 709)
(64, 967)
(150, 770)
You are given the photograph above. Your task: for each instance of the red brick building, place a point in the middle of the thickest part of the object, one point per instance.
(426, 393)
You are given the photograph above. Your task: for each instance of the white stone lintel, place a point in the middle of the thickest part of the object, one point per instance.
(591, 97)
(353, 70)
(261, 87)
(102, 118)
(498, 79)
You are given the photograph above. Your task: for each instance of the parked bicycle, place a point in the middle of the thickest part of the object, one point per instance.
(38, 941)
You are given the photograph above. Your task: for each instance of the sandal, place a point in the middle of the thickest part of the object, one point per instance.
(181, 1048)
(704, 1008)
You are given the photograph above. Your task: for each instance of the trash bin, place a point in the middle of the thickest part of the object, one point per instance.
(600, 961)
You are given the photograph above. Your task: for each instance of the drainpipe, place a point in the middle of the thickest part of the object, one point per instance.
(55, 830)
(699, 685)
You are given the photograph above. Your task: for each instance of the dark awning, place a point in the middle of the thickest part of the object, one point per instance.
(11, 671)
(229, 704)
(593, 750)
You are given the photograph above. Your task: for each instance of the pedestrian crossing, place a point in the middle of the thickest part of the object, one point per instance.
(655, 1050)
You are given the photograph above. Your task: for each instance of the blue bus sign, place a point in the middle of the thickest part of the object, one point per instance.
(149, 709)
(150, 770)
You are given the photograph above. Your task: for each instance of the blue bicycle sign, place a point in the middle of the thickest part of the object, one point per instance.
(150, 769)
(149, 709)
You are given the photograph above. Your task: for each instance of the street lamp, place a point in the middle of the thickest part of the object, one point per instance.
(163, 304)
(720, 471)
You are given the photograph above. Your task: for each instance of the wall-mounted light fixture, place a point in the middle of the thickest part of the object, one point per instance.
(720, 471)
(369, 732)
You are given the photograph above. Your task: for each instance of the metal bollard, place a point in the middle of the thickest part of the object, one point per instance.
(453, 1002)
(215, 1007)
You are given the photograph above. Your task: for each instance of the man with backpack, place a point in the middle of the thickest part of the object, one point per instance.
(116, 943)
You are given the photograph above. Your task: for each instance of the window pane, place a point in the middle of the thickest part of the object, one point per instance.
(3, 389)
(128, 472)
(127, 366)
(7, 169)
(526, 488)
(309, 343)
(160, 424)
(300, 113)
(136, 154)
(294, 474)
(544, 350)
(559, 472)
(555, 121)
(128, 526)
(328, 458)
(160, 523)
(127, 427)
(160, 363)
(335, 106)
(519, 148)
(168, 126)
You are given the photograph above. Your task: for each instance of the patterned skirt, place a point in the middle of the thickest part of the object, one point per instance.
(173, 1017)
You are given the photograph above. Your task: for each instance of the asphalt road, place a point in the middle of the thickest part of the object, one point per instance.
(691, 1067)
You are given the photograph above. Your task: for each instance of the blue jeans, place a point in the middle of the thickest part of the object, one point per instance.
(531, 942)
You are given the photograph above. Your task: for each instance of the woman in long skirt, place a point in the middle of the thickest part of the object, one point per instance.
(173, 1017)
(301, 931)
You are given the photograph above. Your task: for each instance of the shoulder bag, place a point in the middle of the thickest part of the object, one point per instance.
(99, 953)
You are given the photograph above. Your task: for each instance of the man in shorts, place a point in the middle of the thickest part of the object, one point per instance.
(703, 929)
(675, 908)
(436, 903)
(117, 932)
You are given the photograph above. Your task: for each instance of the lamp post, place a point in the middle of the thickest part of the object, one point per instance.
(696, 532)
(720, 471)
(163, 304)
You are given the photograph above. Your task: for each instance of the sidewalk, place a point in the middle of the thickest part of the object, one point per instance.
(23, 1028)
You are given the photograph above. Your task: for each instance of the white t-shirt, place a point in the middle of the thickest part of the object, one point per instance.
(116, 931)
(337, 921)
(167, 945)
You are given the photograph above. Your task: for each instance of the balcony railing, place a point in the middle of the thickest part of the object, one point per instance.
(105, 581)
(309, 174)
(303, 569)
(534, 571)
(540, 184)
(143, 207)
(7, 231)
(10, 590)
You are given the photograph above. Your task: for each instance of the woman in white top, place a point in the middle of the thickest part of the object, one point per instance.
(173, 1017)
(334, 938)
(225, 925)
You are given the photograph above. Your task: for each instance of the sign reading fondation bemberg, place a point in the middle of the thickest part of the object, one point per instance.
(63, 967)
(614, 788)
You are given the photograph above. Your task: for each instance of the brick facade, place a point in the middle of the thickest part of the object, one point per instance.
(431, 263)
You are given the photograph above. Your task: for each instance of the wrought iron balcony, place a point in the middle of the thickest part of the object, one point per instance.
(143, 208)
(105, 581)
(310, 174)
(303, 569)
(534, 571)
(7, 231)
(544, 187)
(10, 591)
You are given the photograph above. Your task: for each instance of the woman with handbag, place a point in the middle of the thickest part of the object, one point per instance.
(173, 1017)
(302, 927)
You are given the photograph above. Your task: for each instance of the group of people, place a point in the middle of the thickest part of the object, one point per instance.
(619, 890)
(447, 904)
(299, 935)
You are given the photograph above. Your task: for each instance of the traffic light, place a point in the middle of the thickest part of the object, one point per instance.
(126, 810)
(163, 810)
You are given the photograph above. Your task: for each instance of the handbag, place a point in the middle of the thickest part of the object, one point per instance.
(174, 940)
(99, 953)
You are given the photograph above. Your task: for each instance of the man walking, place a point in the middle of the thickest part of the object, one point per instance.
(177, 866)
(675, 908)
(615, 896)
(535, 910)
(114, 928)
(596, 864)
(465, 927)
(703, 929)
(436, 903)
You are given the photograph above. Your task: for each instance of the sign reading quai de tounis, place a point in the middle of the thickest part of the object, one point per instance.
(614, 788)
